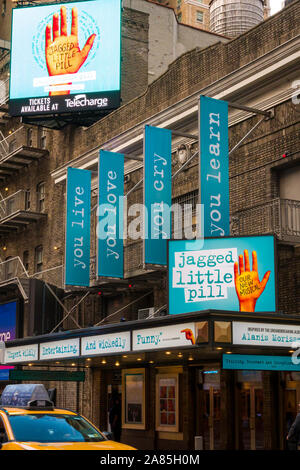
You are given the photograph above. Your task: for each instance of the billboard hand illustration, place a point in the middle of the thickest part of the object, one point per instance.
(247, 284)
(63, 55)
(189, 335)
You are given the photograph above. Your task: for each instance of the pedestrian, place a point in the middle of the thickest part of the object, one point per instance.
(115, 419)
(293, 437)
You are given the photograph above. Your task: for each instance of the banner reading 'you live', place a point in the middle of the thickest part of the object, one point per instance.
(77, 250)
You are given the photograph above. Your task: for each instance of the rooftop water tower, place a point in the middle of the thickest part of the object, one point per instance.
(233, 17)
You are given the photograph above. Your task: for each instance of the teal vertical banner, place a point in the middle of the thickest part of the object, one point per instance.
(110, 253)
(157, 193)
(78, 223)
(214, 166)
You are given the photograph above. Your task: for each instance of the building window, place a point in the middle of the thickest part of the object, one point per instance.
(10, 205)
(27, 200)
(3, 7)
(9, 268)
(199, 16)
(29, 137)
(43, 139)
(26, 260)
(12, 145)
(39, 259)
(41, 197)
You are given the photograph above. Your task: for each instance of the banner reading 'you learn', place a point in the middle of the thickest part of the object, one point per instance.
(214, 166)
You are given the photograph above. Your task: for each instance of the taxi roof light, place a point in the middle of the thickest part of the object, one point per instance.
(26, 395)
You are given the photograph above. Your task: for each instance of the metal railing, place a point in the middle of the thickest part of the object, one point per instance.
(12, 268)
(22, 200)
(4, 91)
(12, 141)
(279, 216)
(54, 276)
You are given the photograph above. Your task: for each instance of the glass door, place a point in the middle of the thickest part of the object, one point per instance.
(212, 436)
(252, 417)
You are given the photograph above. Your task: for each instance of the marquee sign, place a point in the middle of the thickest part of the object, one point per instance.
(224, 273)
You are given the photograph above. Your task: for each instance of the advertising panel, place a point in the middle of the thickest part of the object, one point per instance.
(8, 320)
(21, 354)
(65, 58)
(214, 166)
(265, 334)
(78, 223)
(157, 194)
(60, 349)
(106, 344)
(110, 258)
(170, 336)
(224, 273)
(247, 362)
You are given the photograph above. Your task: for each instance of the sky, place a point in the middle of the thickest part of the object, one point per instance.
(276, 5)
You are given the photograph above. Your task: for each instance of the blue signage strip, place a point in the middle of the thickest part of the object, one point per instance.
(77, 261)
(248, 362)
(157, 194)
(223, 273)
(214, 166)
(110, 255)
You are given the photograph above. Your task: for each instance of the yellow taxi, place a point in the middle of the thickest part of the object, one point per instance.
(29, 421)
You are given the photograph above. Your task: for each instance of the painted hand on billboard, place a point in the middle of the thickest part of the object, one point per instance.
(247, 284)
(63, 55)
(189, 335)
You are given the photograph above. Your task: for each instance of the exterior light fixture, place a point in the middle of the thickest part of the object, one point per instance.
(117, 363)
(103, 361)
(168, 353)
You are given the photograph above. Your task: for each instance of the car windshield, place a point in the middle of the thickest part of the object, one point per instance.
(53, 428)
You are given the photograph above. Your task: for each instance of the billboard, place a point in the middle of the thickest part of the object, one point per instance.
(78, 227)
(214, 166)
(157, 193)
(110, 242)
(65, 58)
(8, 320)
(224, 273)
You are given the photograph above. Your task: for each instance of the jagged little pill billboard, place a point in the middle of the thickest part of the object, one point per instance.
(224, 273)
(65, 58)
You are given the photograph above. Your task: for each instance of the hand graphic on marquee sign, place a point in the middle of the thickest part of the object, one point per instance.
(63, 55)
(189, 335)
(247, 284)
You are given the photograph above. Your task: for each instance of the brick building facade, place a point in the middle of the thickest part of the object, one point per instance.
(258, 70)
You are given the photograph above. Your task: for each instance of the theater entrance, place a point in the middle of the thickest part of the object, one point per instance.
(251, 412)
